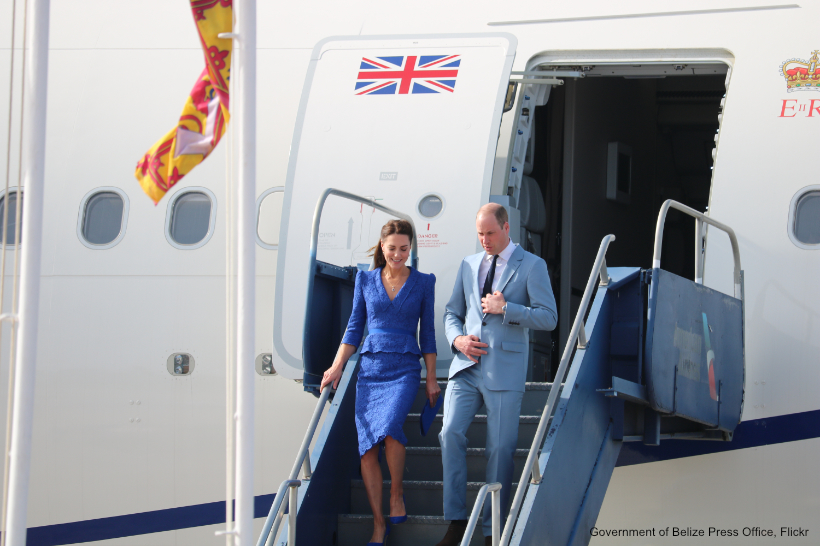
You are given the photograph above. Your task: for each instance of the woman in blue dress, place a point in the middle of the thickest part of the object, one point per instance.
(391, 299)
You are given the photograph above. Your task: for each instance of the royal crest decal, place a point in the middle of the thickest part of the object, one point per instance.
(802, 75)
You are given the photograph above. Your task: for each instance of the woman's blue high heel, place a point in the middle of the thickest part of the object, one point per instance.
(386, 532)
(400, 519)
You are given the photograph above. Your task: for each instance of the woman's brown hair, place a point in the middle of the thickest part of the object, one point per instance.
(393, 227)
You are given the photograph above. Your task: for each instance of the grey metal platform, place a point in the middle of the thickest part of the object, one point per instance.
(356, 529)
(423, 486)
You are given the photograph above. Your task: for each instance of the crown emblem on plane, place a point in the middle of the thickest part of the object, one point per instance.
(802, 75)
(411, 74)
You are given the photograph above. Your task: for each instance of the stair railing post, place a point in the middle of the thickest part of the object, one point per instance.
(536, 473)
(604, 275)
(271, 527)
(292, 512)
(495, 489)
(698, 251)
(496, 500)
(582, 337)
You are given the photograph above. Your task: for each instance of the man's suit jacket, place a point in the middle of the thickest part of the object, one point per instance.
(526, 286)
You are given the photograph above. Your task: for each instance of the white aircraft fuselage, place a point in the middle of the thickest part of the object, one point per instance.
(126, 452)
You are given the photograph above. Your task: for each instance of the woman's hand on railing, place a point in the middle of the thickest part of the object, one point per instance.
(332, 376)
(334, 373)
(433, 390)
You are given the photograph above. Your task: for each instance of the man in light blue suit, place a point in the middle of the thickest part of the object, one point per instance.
(498, 296)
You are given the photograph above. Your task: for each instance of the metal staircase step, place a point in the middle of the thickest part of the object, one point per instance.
(424, 464)
(535, 398)
(355, 530)
(476, 434)
(422, 498)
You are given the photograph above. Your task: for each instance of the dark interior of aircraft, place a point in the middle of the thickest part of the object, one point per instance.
(664, 129)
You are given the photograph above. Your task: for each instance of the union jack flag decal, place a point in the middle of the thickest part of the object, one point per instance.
(407, 75)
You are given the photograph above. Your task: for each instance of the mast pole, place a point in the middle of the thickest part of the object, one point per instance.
(35, 73)
(245, 120)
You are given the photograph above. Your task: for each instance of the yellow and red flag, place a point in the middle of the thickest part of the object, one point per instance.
(205, 114)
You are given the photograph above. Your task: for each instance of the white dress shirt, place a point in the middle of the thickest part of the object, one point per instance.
(484, 268)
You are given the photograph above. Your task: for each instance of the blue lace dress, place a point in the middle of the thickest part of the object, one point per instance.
(390, 370)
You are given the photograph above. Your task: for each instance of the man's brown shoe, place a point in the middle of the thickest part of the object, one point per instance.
(488, 541)
(455, 532)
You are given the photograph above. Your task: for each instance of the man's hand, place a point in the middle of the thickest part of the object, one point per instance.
(470, 346)
(492, 304)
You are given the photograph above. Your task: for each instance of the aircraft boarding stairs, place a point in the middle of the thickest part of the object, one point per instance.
(650, 356)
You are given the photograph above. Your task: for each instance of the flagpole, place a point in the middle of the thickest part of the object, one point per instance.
(35, 72)
(244, 70)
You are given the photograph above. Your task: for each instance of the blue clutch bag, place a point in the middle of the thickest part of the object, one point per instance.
(428, 414)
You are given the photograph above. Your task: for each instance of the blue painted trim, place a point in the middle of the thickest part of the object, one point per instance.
(754, 433)
(156, 521)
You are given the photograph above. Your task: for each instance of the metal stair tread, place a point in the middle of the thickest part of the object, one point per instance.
(421, 484)
(522, 419)
(528, 386)
(423, 520)
(471, 451)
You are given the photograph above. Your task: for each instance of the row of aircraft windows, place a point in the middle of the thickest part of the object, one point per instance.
(191, 213)
(189, 222)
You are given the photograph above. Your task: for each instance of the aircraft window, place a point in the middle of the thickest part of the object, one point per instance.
(806, 218)
(430, 206)
(180, 364)
(7, 229)
(190, 219)
(264, 364)
(268, 217)
(103, 216)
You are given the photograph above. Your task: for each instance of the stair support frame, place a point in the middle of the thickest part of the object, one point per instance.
(271, 527)
(531, 467)
(277, 511)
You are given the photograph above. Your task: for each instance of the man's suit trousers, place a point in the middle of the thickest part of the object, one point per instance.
(465, 395)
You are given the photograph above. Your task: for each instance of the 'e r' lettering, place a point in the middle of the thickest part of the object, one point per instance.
(785, 105)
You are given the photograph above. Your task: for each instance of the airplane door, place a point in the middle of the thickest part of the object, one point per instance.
(410, 121)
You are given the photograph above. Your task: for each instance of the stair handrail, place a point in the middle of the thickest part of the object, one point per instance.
(495, 490)
(276, 513)
(314, 246)
(700, 219)
(278, 510)
(578, 333)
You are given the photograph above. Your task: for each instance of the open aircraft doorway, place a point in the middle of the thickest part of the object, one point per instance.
(604, 151)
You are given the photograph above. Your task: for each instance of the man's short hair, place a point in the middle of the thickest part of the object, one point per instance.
(501, 215)
(498, 211)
